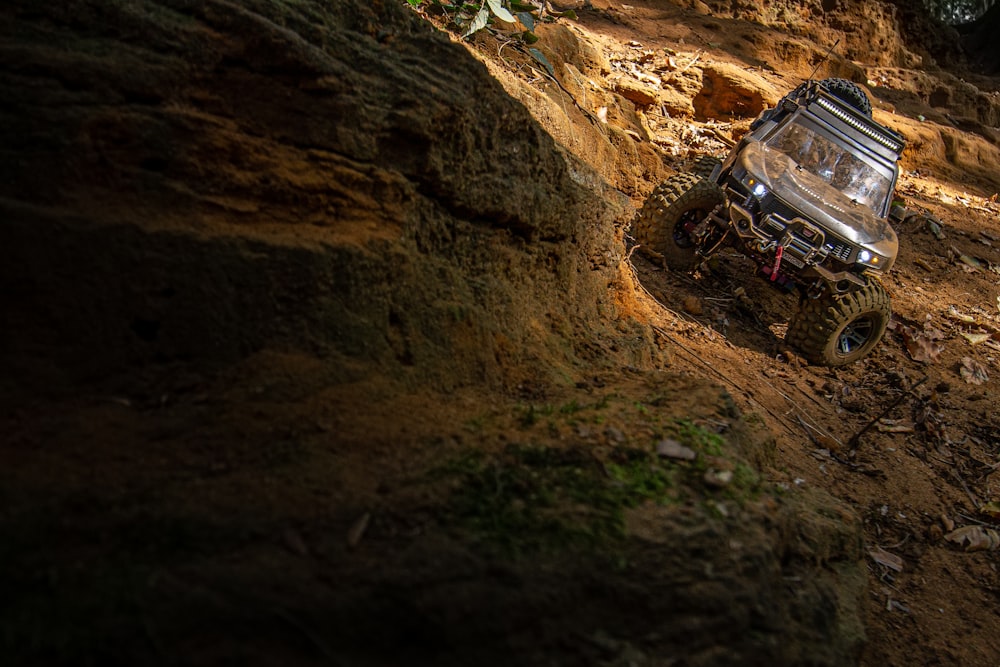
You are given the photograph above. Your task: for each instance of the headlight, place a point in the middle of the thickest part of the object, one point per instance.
(868, 258)
(756, 188)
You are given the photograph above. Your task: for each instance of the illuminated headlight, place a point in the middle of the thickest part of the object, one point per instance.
(756, 188)
(869, 258)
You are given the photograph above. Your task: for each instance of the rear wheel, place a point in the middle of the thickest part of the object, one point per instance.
(835, 331)
(849, 92)
(669, 215)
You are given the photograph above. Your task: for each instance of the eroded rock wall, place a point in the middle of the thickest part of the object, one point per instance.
(196, 180)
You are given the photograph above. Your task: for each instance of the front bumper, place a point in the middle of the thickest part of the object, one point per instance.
(808, 251)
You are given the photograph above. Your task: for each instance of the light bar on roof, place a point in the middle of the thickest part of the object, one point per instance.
(865, 129)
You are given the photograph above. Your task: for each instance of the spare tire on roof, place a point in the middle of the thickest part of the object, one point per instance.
(850, 92)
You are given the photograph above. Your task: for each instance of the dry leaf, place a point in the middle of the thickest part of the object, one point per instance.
(921, 345)
(961, 317)
(973, 372)
(894, 428)
(991, 509)
(976, 338)
(974, 538)
(971, 262)
(883, 557)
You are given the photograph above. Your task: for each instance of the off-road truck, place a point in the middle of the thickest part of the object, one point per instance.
(806, 194)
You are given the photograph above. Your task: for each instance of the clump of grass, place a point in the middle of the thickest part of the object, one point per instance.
(536, 499)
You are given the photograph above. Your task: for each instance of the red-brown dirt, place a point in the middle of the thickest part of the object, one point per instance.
(325, 341)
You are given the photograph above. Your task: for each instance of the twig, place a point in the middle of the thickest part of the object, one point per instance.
(853, 442)
(975, 501)
(693, 61)
(723, 138)
(972, 519)
(825, 441)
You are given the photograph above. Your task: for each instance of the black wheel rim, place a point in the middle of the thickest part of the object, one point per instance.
(682, 230)
(855, 335)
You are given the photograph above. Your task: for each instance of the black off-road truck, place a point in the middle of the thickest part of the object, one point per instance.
(807, 195)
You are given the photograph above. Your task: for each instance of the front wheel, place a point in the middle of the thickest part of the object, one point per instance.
(835, 331)
(669, 216)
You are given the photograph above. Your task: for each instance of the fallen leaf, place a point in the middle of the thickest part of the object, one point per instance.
(974, 538)
(991, 509)
(971, 262)
(973, 372)
(889, 560)
(935, 228)
(976, 338)
(921, 344)
(895, 428)
(961, 317)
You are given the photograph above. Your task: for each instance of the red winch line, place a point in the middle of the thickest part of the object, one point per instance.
(777, 261)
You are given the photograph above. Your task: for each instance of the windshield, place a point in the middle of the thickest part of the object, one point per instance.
(818, 154)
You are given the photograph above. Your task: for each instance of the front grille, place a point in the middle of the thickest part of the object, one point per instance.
(769, 204)
(840, 250)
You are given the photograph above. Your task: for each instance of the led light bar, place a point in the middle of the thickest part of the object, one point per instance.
(865, 129)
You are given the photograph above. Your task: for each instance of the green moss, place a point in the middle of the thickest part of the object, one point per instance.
(535, 499)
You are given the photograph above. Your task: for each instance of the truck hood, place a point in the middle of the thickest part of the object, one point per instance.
(818, 201)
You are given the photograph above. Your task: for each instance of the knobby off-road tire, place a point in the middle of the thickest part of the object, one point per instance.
(835, 331)
(704, 165)
(849, 92)
(674, 207)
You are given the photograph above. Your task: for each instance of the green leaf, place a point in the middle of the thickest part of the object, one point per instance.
(478, 23)
(527, 20)
(529, 37)
(414, 3)
(500, 11)
(540, 57)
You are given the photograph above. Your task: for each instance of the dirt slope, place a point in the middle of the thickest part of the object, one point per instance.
(322, 345)
(928, 464)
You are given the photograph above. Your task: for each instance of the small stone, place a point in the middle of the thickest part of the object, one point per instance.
(718, 478)
(672, 449)
(614, 434)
